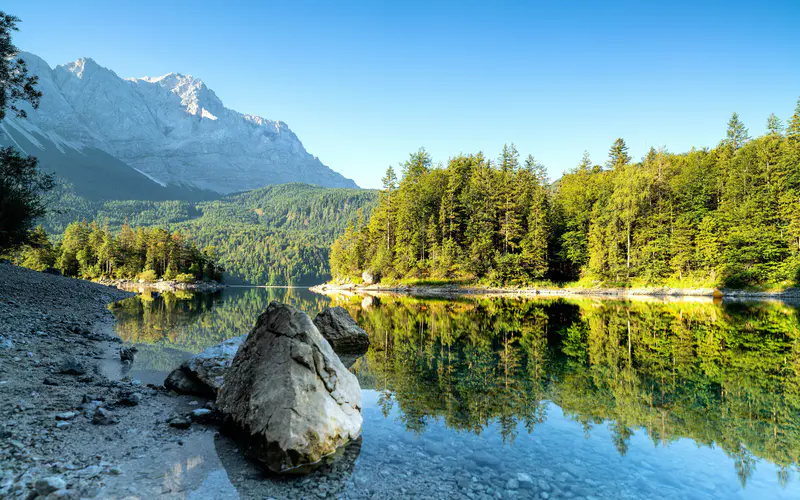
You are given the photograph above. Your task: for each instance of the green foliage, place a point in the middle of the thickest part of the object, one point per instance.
(728, 216)
(22, 184)
(277, 235)
(90, 251)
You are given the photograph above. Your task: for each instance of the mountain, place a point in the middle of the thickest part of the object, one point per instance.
(171, 131)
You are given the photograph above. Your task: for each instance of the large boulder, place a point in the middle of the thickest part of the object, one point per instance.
(287, 396)
(342, 331)
(202, 374)
(368, 277)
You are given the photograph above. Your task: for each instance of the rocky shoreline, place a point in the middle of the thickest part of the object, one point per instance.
(163, 286)
(663, 293)
(73, 425)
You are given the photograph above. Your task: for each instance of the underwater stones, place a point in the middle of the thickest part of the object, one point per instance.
(341, 331)
(287, 394)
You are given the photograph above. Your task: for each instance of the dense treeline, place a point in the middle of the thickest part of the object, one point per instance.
(90, 251)
(277, 235)
(728, 215)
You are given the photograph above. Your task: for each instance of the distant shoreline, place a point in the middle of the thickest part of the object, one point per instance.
(664, 293)
(163, 286)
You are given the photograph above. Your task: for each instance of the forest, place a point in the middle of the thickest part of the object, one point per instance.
(727, 216)
(276, 235)
(90, 251)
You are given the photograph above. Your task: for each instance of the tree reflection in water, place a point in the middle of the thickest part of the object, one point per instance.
(723, 375)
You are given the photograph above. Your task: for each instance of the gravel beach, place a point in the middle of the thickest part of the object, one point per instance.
(70, 420)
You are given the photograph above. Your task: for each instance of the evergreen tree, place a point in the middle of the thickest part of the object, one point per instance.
(22, 184)
(793, 130)
(774, 125)
(737, 133)
(510, 227)
(618, 155)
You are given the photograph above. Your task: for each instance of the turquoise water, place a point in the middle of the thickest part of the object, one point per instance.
(512, 398)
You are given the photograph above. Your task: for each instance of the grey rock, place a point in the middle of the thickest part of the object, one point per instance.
(287, 395)
(203, 416)
(368, 277)
(525, 481)
(47, 485)
(67, 415)
(512, 484)
(203, 374)
(127, 353)
(129, 398)
(341, 331)
(63, 425)
(179, 422)
(184, 383)
(71, 366)
(50, 381)
(103, 417)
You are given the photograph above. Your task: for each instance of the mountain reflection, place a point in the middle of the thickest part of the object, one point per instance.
(724, 375)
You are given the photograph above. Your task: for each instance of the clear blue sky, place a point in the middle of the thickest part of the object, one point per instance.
(363, 84)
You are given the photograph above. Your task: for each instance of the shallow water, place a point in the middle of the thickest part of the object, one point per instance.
(522, 398)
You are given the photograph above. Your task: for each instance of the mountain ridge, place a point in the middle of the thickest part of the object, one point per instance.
(173, 129)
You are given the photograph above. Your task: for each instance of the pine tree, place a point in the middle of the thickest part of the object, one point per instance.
(389, 185)
(618, 155)
(510, 227)
(586, 163)
(534, 244)
(793, 130)
(774, 125)
(22, 184)
(737, 134)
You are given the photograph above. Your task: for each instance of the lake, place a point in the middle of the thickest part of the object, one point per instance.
(521, 398)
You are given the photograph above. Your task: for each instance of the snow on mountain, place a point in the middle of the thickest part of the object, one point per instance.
(173, 129)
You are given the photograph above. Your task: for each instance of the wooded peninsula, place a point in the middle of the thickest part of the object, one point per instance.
(727, 216)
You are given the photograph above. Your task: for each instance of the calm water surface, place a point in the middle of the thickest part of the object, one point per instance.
(512, 398)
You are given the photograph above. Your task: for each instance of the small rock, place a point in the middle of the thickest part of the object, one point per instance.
(203, 416)
(115, 471)
(512, 484)
(67, 415)
(127, 353)
(71, 366)
(179, 422)
(47, 485)
(103, 417)
(50, 381)
(129, 398)
(525, 481)
(63, 425)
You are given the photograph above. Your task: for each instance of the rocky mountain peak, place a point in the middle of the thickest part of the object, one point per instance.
(172, 128)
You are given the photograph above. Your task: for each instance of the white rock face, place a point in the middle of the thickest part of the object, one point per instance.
(172, 128)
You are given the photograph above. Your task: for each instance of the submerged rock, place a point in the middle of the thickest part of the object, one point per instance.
(179, 422)
(127, 353)
(342, 331)
(287, 394)
(203, 374)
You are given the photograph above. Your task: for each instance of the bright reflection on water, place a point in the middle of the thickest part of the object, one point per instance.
(542, 398)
